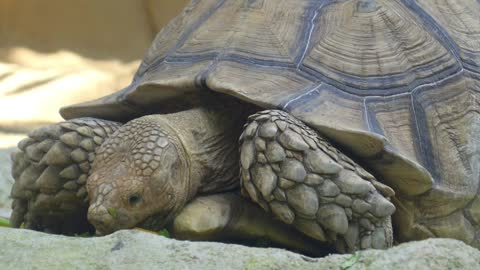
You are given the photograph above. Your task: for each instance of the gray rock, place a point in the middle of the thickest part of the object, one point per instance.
(24, 249)
(6, 181)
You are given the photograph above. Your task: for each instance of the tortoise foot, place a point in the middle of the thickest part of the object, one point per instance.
(50, 169)
(291, 171)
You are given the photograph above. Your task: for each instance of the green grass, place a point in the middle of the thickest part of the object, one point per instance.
(84, 234)
(164, 233)
(4, 222)
(113, 212)
(351, 261)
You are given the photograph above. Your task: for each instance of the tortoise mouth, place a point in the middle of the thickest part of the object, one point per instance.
(156, 222)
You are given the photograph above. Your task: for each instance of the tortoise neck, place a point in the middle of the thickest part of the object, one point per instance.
(209, 135)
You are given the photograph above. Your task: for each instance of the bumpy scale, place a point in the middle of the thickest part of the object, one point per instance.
(291, 171)
(50, 171)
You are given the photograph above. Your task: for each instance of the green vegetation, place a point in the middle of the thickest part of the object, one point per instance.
(351, 261)
(85, 234)
(112, 212)
(164, 233)
(4, 222)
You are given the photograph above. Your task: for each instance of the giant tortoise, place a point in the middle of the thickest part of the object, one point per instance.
(331, 115)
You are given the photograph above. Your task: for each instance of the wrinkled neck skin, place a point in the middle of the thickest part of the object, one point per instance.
(210, 139)
(147, 171)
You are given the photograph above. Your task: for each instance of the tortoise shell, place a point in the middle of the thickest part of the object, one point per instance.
(394, 83)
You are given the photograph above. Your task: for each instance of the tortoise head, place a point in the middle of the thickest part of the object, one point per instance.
(139, 178)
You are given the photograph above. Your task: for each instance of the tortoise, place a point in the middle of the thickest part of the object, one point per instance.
(338, 118)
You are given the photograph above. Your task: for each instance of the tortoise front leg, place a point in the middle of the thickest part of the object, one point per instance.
(50, 169)
(291, 171)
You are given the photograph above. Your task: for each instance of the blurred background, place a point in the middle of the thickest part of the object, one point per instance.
(59, 52)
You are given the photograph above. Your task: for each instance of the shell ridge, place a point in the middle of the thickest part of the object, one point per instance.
(426, 152)
(438, 32)
(308, 92)
(185, 36)
(424, 146)
(311, 27)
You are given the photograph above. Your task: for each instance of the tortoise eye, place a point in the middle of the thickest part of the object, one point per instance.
(134, 199)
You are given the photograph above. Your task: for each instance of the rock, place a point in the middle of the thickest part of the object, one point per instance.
(24, 249)
(6, 181)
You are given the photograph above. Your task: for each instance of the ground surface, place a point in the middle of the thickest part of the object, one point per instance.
(23, 249)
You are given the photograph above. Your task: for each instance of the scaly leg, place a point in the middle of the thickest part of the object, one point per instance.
(50, 169)
(293, 172)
